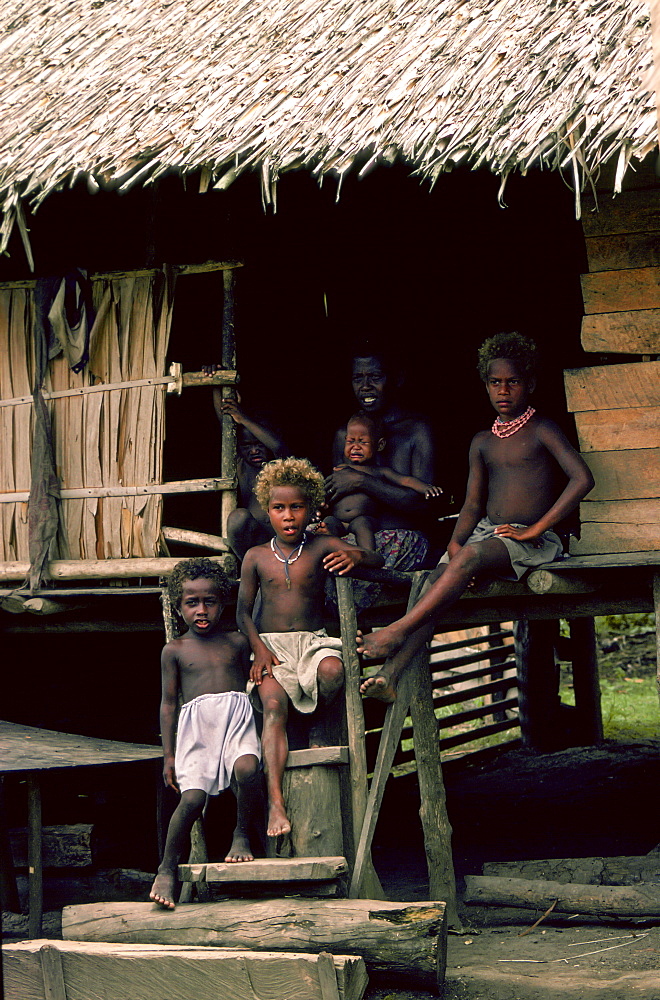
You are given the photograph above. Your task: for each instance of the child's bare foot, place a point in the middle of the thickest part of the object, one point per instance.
(278, 822)
(380, 644)
(240, 848)
(162, 891)
(380, 687)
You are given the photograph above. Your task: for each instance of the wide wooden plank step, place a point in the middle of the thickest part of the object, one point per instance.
(317, 756)
(59, 969)
(267, 870)
(398, 939)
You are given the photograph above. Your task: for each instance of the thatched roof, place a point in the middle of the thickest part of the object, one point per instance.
(121, 91)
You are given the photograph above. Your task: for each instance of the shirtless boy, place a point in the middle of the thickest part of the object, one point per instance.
(294, 658)
(257, 444)
(217, 743)
(525, 477)
(358, 512)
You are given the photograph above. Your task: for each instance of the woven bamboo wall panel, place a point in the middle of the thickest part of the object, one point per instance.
(16, 373)
(111, 438)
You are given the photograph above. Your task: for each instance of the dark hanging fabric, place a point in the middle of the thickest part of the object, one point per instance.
(43, 505)
(70, 318)
(44, 502)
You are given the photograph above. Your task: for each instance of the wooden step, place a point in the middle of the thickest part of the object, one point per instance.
(267, 870)
(317, 757)
(59, 969)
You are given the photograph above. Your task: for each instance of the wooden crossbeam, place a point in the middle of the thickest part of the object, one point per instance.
(267, 870)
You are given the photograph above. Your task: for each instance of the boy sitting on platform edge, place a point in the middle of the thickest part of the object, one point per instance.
(294, 658)
(515, 494)
(217, 743)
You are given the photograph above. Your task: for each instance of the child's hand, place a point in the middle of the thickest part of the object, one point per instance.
(229, 407)
(263, 663)
(342, 561)
(433, 491)
(522, 533)
(169, 776)
(318, 528)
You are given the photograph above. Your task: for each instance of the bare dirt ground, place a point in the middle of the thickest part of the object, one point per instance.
(513, 804)
(550, 964)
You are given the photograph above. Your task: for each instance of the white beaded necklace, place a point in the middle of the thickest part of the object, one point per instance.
(505, 428)
(287, 560)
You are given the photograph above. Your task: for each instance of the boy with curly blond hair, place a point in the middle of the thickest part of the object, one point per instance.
(294, 659)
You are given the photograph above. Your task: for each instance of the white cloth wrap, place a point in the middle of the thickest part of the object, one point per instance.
(214, 730)
(299, 654)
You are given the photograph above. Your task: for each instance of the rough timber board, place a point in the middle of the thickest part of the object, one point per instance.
(597, 537)
(634, 331)
(317, 756)
(614, 291)
(610, 387)
(642, 512)
(625, 475)
(609, 253)
(626, 429)
(608, 561)
(630, 212)
(155, 972)
(26, 748)
(266, 870)
(403, 938)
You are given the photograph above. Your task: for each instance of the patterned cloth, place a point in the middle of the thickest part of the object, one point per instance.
(523, 555)
(401, 548)
(299, 654)
(214, 730)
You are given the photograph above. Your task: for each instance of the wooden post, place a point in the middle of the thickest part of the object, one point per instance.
(586, 681)
(414, 692)
(228, 447)
(371, 886)
(52, 972)
(35, 874)
(496, 675)
(395, 718)
(538, 683)
(656, 608)
(8, 891)
(312, 797)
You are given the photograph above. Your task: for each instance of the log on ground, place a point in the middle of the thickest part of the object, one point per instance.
(628, 870)
(33, 968)
(601, 900)
(62, 846)
(408, 939)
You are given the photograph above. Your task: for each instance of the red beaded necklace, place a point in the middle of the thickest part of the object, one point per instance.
(505, 428)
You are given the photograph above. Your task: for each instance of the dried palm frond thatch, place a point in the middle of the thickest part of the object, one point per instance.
(121, 91)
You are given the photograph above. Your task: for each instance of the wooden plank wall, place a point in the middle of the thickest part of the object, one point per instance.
(109, 438)
(617, 406)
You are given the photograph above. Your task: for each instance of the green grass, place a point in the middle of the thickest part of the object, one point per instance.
(630, 708)
(629, 695)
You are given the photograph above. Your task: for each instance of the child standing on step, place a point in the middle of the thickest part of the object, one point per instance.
(295, 660)
(525, 477)
(217, 743)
